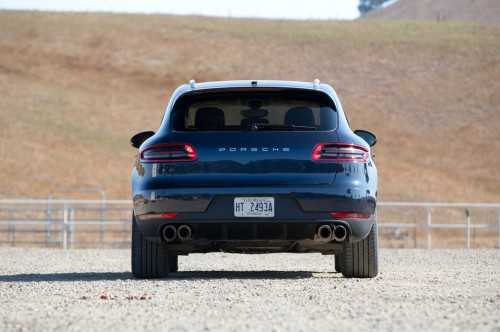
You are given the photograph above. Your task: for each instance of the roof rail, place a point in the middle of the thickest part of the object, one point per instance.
(316, 83)
(192, 84)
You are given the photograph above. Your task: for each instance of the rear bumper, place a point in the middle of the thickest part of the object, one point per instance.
(256, 230)
(297, 219)
(217, 203)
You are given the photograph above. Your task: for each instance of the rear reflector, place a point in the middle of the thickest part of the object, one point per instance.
(340, 152)
(170, 215)
(351, 215)
(161, 153)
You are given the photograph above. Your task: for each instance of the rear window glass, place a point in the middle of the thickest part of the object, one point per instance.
(254, 111)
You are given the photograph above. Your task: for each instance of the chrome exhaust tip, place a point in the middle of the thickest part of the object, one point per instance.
(325, 232)
(184, 232)
(340, 233)
(169, 233)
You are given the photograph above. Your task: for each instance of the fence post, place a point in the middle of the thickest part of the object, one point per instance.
(48, 223)
(65, 228)
(428, 228)
(103, 211)
(71, 218)
(12, 235)
(498, 228)
(467, 227)
(101, 225)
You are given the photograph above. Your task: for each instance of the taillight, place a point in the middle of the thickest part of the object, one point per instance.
(351, 215)
(340, 152)
(162, 153)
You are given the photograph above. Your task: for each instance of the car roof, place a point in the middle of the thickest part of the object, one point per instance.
(216, 85)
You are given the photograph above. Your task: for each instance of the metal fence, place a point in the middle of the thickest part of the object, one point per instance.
(65, 223)
(107, 224)
(443, 225)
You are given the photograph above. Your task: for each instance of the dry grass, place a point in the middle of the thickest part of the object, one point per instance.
(479, 11)
(75, 87)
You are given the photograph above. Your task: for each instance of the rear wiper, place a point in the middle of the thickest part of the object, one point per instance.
(266, 126)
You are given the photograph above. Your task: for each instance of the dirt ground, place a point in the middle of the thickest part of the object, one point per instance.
(93, 290)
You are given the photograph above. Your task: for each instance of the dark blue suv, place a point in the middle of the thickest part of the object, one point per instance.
(254, 167)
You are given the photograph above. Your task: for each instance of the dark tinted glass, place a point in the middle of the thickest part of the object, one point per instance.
(250, 111)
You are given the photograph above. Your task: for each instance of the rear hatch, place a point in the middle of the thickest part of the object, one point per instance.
(243, 138)
(252, 158)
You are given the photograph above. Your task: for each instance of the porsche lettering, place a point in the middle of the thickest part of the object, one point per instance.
(273, 149)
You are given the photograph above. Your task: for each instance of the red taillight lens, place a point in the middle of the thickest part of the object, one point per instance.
(350, 215)
(340, 152)
(161, 153)
(169, 215)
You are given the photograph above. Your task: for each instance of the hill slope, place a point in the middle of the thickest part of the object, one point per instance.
(75, 87)
(479, 11)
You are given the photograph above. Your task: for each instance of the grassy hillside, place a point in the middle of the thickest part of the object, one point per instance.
(478, 11)
(75, 87)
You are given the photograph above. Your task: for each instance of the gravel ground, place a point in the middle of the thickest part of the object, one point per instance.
(54, 290)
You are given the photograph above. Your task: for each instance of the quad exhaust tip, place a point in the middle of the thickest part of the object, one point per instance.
(327, 233)
(340, 233)
(184, 233)
(169, 233)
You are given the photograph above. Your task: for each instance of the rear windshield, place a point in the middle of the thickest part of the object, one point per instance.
(265, 111)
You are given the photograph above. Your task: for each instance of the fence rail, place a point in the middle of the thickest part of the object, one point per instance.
(464, 223)
(106, 223)
(65, 223)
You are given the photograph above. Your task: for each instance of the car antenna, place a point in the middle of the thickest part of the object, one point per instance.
(316, 83)
(192, 84)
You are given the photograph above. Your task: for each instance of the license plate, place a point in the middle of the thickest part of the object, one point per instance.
(254, 207)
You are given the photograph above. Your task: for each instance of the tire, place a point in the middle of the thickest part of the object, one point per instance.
(173, 263)
(338, 263)
(360, 260)
(149, 259)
